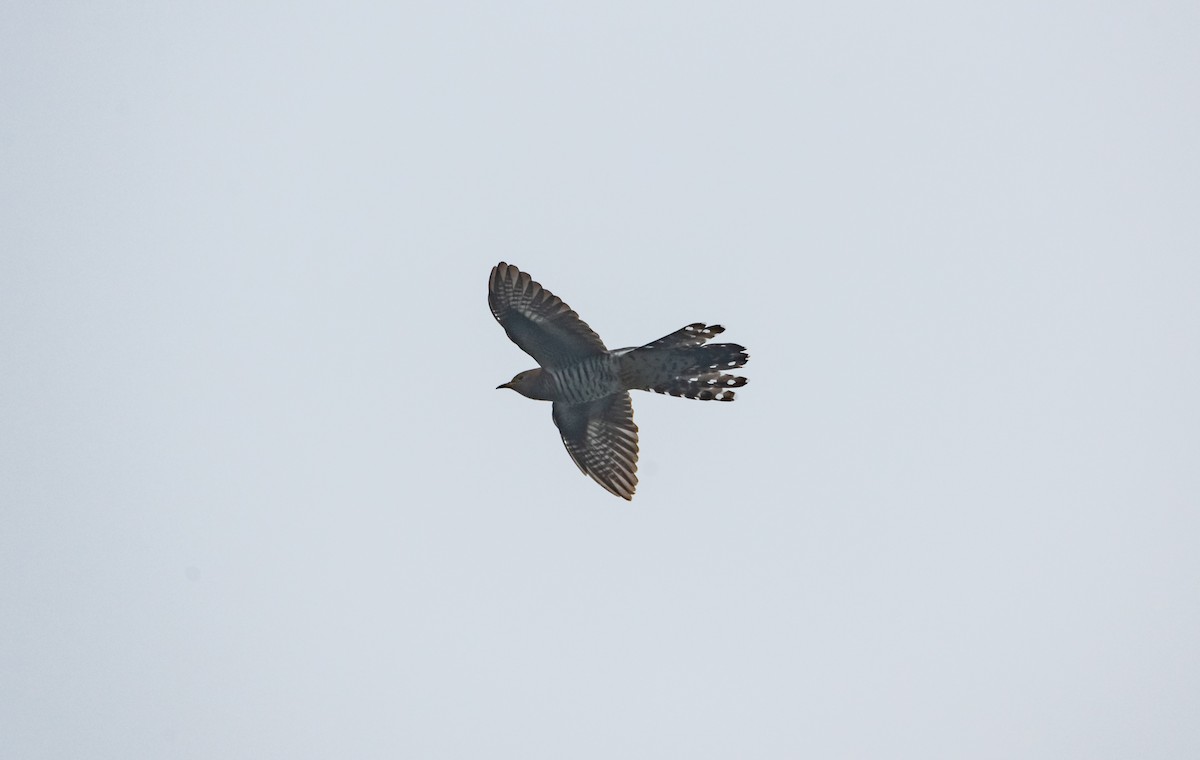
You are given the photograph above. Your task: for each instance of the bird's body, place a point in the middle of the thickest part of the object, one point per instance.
(585, 380)
(590, 385)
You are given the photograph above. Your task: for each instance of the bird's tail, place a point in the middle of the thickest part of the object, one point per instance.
(680, 364)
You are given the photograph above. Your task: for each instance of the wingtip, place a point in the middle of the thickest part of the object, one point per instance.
(507, 275)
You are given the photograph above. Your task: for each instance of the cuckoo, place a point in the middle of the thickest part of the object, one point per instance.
(589, 385)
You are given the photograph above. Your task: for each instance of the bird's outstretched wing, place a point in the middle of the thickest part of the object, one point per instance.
(602, 438)
(538, 321)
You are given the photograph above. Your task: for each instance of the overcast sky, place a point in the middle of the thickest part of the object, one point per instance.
(260, 498)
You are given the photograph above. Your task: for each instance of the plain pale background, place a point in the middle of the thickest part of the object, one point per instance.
(259, 497)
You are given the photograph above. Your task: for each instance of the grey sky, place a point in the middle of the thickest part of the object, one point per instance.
(259, 497)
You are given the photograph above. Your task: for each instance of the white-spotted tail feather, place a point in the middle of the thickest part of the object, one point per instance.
(681, 364)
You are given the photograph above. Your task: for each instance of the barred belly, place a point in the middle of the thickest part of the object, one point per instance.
(588, 380)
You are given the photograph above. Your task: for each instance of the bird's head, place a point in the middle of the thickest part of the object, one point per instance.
(526, 383)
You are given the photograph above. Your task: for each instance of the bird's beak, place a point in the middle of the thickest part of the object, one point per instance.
(505, 385)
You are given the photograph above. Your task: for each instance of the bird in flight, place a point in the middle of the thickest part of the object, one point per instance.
(589, 385)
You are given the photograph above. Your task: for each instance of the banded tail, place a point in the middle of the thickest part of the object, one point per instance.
(680, 364)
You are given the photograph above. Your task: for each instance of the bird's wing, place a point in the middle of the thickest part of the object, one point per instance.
(602, 438)
(538, 321)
